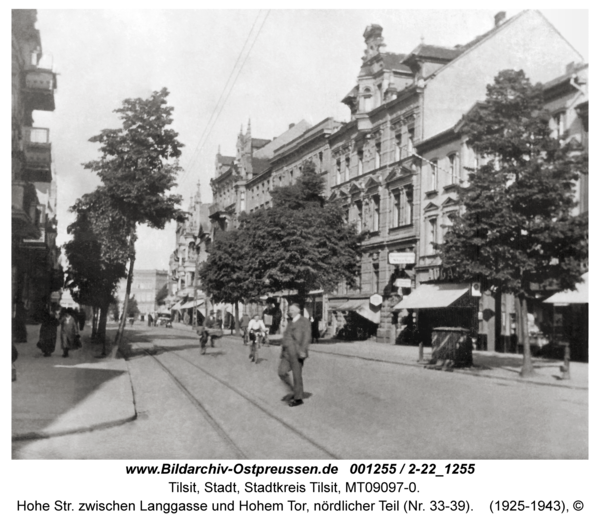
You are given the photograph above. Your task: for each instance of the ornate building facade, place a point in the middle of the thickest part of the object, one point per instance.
(36, 273)
(397, 164)
(184, 294)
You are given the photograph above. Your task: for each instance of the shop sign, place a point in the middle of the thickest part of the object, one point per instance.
(403, 282)
(401, 258)
(376, 299)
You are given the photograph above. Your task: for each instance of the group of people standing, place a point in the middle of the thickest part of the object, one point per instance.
(71, 322)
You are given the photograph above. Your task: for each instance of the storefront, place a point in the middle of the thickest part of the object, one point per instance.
(355, 318)
(440, 305)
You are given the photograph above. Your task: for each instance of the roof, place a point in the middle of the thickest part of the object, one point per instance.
(434, 52)
(394, 61)
(259, 165)
(257, 143)
(287, 136)
(566, 77)
(225, 160)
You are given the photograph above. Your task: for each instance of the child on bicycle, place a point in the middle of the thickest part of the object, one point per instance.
(256, 330)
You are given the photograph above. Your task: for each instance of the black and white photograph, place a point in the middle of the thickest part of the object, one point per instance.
(288, 235)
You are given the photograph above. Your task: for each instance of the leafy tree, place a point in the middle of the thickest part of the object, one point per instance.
(133, 309)
(517, 231)
(138, 168)
(161, 294)
(225, 276)
(302, 243)
(97, 253)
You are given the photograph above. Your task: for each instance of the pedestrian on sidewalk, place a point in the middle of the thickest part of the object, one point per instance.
(81, 318)
(19, 329)
(15, 356)
(294, 351)
(68, 331)
(244, 327)
(315, 329)
(48, 333)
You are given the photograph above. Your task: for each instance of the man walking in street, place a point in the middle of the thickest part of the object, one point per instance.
(294, 351)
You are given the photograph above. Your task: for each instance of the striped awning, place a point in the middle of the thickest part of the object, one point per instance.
(579, 296)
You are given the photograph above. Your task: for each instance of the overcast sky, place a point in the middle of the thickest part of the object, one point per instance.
(301, 66)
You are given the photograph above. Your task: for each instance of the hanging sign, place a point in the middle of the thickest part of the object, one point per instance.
(402, 282)
(376, 299)
(401, 258)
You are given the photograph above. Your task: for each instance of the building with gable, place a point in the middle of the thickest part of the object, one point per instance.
(391, 184)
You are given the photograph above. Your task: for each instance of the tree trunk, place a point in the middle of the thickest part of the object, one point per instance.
(236, 309)
(102, 318)
(527, 369)
(119, 337)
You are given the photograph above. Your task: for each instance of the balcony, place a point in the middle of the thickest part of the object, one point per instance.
(24, 211)
(38, 88)
(38, 154)
(215, 209)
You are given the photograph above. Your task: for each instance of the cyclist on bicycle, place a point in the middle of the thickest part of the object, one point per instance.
(256, 330)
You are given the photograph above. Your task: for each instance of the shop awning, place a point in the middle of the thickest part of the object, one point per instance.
(192, 303)
(176, 306)
(579, 296)
(362, 307)
(433, 296)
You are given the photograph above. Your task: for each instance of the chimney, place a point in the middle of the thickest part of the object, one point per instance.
(499, 18)
(291, 125)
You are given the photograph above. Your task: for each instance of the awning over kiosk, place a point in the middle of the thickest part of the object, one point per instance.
(362, 307)
(579, 296)
(433, 296)
(186, 305)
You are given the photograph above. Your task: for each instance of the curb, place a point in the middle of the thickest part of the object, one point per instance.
(38, 435)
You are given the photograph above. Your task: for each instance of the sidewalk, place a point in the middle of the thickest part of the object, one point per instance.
(502, 366)
(57, 396)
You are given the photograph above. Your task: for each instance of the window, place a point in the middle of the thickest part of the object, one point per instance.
(433, 184)
(367, 100)
(320, 161)
(402, 207)
(377, 155)
(359, 215)
(432, 231)
(454, 168)
(375, 287)
(375, 206)
(347, 169)
(360, 162)
(338, 171)
(407, 144)
(397, 150)
(558, 125)
(396, 209)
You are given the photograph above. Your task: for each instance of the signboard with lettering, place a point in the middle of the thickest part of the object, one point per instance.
(401, 258)
(403, 282)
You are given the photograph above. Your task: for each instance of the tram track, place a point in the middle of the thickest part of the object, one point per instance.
(212, 418)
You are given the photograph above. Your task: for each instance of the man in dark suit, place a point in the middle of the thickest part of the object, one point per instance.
(294, 351)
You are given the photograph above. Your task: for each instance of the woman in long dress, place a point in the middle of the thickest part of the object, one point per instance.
(47, 342)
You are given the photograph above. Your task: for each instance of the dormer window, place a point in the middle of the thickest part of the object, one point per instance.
(367, 100)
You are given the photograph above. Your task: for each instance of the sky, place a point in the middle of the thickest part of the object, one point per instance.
(299, 65)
